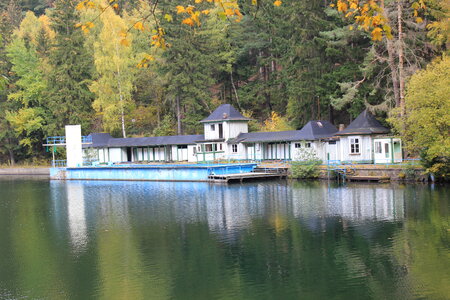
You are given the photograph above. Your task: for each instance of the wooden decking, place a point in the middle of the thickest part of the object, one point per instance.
(240, 177)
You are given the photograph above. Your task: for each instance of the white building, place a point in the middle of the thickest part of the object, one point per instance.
(226, 137)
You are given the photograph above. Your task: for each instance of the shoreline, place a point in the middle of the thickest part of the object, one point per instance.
(40, 171)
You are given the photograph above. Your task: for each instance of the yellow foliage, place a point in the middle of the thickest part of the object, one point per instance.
(277, 3)
(125, 42)
(377, 34)
(180, 9)
(139, 26)
(276, 123)
(188, 21)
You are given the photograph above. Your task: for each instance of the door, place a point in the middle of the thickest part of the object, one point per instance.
(251, 152)
(382, 152)
(332, 151)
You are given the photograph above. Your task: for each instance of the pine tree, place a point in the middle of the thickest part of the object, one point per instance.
(69, 96)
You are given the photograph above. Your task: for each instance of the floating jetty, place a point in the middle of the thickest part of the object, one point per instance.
(189, 172)
(240, 177)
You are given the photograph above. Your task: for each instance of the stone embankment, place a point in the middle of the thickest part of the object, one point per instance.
(25, 171)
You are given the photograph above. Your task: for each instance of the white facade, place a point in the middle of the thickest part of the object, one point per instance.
(356, 148)
(225, 138)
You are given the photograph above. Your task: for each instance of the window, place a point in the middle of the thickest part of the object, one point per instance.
(199, 149)
(220, 147)
(354, 146)
(208, 148)
(234, 148)
(297, 145)
(213, 127)
(377, 147)
(307, 145)
(331, 142)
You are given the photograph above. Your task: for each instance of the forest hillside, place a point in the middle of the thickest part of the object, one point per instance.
(142, 68)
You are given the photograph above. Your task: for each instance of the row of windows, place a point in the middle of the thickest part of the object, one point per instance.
(215, 147)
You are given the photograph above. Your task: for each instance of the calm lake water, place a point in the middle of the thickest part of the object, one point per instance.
(265, 240)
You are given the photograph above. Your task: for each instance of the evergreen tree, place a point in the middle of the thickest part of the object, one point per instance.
(69, 96)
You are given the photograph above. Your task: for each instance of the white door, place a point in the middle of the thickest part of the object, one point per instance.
(332, 151)
(382, 152)
(250, 152)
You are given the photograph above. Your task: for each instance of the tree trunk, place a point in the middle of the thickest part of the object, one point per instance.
(391, 49)
(401, 77)
(234, 89)
(177, 100)
(12, 160)
(122, 110)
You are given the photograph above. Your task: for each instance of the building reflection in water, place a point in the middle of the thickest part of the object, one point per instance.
(358, 203)
(226, 210)
(76, 215)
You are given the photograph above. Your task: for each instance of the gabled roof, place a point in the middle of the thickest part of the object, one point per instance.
(313, 130)
(225, 112)
(100, 140)
(365, 123)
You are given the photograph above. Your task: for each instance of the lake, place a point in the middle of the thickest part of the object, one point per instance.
(260, 240)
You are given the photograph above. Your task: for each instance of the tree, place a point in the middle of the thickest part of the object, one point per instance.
(398, 31)
(69, 97)
(426, 124)
(115, 66)
(27, 115)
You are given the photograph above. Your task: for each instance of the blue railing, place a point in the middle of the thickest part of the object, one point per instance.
(59, 140)
(59, 163)
(54, 140)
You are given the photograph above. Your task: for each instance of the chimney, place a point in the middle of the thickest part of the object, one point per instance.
(341, 127)
(225, 115)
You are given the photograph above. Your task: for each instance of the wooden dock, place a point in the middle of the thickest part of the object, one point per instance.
(368, 178)
(240, 177)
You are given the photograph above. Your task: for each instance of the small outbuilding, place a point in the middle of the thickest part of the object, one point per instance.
(365, 140)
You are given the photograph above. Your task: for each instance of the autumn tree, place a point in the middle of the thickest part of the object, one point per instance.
(115, 66)
(27, 114)
(426, 124)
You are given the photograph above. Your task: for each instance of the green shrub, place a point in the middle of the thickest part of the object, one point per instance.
(306, 169)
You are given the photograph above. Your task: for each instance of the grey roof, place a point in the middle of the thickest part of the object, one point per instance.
(318, 129)
(225, 112)
(313, 130)
(142, 141)
(365, 123)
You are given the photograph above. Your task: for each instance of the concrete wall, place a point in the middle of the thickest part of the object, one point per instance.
(73, 146)
(25, 171)
(151, 173)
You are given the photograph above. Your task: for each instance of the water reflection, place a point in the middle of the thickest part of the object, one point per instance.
(362, 204)
(225, 209)
(76, 216)
(272, 240)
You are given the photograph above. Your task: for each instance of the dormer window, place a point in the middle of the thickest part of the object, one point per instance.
(213, 127)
